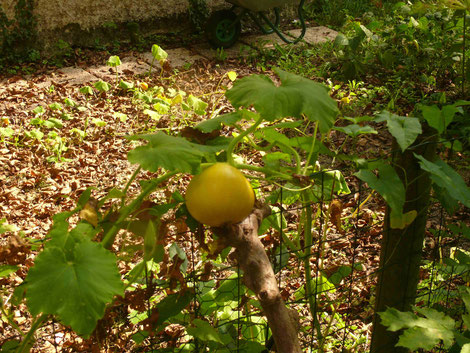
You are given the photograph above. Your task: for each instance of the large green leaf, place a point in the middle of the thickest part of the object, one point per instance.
(390, 187)
(355, 130)
(229, 119)
(420, 332)
(204, 331)
(439, 118)
(446, 178)
(295, 96)
(387, 184)
(173, 305)
(75, 289)
(404, 129)
(169, 152)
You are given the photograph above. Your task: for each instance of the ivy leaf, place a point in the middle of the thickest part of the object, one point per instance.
(204, 331)
(404, 129)
(169, 152)
(446, 178)
(295, 96)
(75, 289)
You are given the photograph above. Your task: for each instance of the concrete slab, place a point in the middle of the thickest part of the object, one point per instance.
(72, 76)
(313, 35)
(239, 50)
(177, 58)
(103, 72)
(133, 65)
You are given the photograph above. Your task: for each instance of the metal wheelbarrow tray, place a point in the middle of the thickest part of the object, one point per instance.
(224, 27)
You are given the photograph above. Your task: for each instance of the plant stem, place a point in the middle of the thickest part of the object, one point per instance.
(312, 148)
(263, 170)
(126, 188)
(239, 138)
(24, 347)
(463, 53)
(328, 328)
(307, 253)
(295, 154)
(11, 321)
(110, 235)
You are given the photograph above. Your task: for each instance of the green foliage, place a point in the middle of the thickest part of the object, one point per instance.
(391, 188)
(447, 178)
(404, 129)
(294, 97)
(18, 35)
(430, 328)
(198, 13)
(73, 278)
(420, 332)
(169, 152)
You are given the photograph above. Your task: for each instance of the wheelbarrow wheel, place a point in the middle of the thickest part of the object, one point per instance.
(223, 29)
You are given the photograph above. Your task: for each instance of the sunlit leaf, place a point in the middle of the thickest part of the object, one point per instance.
(446, 178)
(113, 61)
(404, 129)
(169, 152)
(232, 75)
(295, 96)
(102, 86)
(439, 118)
(226, 119)
(75, 289)
(420, 332)
(355, 130)
(158, 53)
(204, 331)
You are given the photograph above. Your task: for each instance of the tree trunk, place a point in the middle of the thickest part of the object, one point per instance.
(401, 249)
(258, 276)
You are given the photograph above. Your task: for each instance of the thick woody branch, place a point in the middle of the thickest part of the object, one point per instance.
(258, 276)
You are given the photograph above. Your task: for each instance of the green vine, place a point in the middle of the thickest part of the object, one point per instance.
(198, 13)
(16, 35)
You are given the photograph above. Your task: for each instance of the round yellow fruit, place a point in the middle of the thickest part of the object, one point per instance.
(144, 86)
(220, 195)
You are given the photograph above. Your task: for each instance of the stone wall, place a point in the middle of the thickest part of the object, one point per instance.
(80, 21)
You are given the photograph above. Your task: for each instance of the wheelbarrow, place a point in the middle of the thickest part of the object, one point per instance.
(223, 27)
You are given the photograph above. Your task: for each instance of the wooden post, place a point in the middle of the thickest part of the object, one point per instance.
(401, 250)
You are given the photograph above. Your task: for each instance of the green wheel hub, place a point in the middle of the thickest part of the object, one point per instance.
(225, 31)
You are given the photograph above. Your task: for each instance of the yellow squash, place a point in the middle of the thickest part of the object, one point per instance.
(219, 195)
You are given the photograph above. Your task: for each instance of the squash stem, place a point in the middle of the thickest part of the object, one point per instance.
(239, 138)
(110, 235)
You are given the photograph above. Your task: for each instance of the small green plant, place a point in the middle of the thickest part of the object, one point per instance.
(114, 61)
(158, 54)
